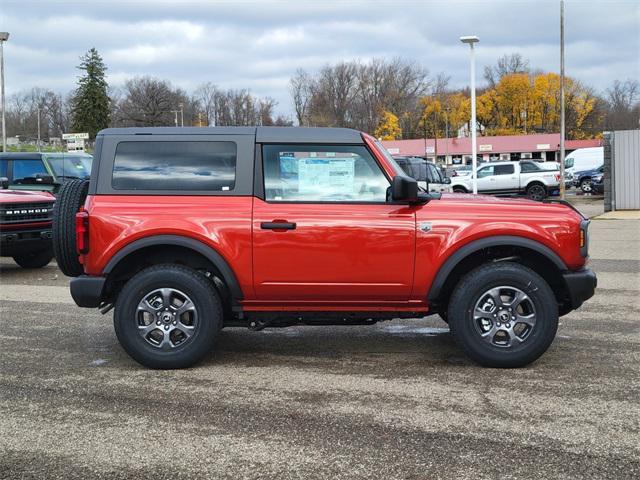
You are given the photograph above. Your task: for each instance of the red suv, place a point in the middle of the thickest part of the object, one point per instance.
(188, 230)
(25, 226)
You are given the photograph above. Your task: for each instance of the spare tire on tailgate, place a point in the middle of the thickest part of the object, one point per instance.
(71, 197)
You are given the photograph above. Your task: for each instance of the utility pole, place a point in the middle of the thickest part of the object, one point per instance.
(562, 119)
(181, 114)
(175, 112)
(4, 36)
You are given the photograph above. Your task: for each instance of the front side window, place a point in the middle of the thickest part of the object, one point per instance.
(191, 166)
(419, 170)
(26, 171)
(322, 173)
(503, 169)
(434, 174)
(485, 172)
(3, 167)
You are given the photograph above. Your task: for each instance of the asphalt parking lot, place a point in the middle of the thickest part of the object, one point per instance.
(394, 400)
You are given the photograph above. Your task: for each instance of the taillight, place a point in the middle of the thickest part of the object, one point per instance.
(82, 232)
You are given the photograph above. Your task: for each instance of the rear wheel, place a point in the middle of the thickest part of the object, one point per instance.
(70, 198)
(459, 190)
(38, 259)
(536, 192)
(168, 316)
(503, 315)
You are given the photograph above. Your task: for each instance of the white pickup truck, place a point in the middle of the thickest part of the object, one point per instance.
(536, 180)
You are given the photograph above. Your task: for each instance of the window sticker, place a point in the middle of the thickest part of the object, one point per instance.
(322, 174)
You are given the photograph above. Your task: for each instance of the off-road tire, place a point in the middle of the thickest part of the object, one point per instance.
(207, 304)
(469, 290)
(70, 198)
(37, 259)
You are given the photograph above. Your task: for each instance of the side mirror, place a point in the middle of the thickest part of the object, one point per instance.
(4, 182)
(404, 189)
(447, 180)
(42, 179)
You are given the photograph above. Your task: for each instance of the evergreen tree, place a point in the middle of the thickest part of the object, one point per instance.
(90, 108)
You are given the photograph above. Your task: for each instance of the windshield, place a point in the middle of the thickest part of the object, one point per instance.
(70, 166)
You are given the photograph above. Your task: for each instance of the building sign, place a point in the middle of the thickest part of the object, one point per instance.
(485, 148)
(393, 151)
(430, 150)
(543, 146)
(75, 141)
(75, 136)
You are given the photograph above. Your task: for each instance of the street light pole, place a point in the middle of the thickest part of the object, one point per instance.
(471, 40)
(4, 36)
(181, 114)
(38, 127)
(562, 119)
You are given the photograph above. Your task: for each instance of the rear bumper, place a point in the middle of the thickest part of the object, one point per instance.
(87, 291)
(581, 285)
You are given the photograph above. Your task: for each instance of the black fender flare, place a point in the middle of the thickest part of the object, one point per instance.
(176, 240)
(477, 245)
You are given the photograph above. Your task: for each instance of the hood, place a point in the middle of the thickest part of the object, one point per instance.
(587, 171)
(507, 205)
(24, 196)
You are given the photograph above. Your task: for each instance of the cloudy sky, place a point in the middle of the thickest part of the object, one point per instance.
(259, 44)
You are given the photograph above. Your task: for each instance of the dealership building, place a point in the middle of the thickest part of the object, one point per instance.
(456, 151)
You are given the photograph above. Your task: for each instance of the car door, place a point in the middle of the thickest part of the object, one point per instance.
(323, 230)
(506, 178)
(486, 180)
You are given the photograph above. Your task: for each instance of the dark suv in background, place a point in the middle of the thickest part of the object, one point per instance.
(43, 171)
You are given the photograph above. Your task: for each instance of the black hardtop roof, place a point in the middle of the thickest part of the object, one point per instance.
(262, 134)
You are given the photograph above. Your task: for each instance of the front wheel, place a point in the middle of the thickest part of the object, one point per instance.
(459, 190)
(585, 185)
(503, 315)
(168, 316)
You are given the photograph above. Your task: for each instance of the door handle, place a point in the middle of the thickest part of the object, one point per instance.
(278, 225)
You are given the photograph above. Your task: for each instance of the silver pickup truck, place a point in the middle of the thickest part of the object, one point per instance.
(535, 180)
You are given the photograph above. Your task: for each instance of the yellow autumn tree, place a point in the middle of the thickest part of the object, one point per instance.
(389, 127)
(443, 114)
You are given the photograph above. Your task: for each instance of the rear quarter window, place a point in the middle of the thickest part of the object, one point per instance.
(175, 166)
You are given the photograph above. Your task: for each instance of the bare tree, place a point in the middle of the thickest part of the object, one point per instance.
(513, 63)
(623, 104)
(355, 94)
(206, 94)
(301, 87)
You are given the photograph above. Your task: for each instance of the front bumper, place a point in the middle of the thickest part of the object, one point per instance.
(581, 286)
(87, 291)
(17, 242)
